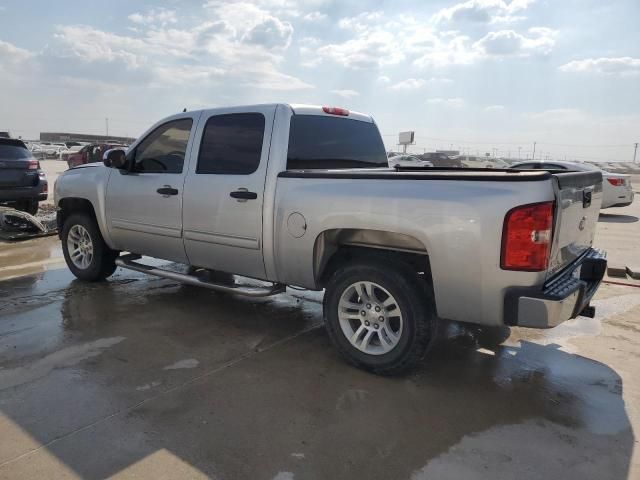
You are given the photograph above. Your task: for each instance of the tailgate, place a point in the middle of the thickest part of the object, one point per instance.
(578, 200)
(14, 173)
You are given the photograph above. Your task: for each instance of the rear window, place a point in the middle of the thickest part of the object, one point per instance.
(318, 142)
(13, 152)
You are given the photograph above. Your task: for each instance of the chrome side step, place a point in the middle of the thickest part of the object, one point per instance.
(127, 261)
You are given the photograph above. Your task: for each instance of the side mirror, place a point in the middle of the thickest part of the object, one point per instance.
(115, 158)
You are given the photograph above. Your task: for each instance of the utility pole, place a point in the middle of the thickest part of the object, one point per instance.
(106, 122)
(533, 156)
(635, 150)
(519, 148)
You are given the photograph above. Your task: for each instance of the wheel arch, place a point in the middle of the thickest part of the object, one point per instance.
(70, 205)
(336, 246)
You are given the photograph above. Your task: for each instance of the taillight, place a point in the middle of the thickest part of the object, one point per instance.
(616, 182)
(343, 112)
(526, 237)
(33, 164)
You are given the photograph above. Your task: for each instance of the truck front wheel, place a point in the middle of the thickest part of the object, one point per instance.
(85, 252)
(380, 318)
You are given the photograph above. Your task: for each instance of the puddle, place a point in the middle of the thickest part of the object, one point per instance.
(66, 357)
(187, 363)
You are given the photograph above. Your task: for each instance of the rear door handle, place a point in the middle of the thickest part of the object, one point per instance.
(243, 195)
(167, 191)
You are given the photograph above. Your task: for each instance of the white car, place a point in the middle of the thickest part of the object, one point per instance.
(408, 161)
(616, 187)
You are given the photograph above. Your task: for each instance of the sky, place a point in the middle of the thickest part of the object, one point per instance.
(478, 76)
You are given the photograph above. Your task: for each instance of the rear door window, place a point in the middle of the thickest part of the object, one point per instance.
(319, 142)
(231, 144)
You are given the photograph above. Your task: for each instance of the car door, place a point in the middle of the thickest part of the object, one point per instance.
(144, 201)
(224, 190)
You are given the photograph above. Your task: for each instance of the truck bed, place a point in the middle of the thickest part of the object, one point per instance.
(429, 173)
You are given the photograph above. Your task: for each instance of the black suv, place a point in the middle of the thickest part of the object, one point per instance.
(22, 183)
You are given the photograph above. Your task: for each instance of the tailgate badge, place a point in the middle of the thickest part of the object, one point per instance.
(582, 223)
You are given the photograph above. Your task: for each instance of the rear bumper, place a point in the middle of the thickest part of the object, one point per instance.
(623, 200)
(23, 193)
(560, 299)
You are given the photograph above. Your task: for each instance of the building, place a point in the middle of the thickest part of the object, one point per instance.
(59, 137)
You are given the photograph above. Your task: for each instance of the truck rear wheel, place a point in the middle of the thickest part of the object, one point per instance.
(381, 318)
(85, 252)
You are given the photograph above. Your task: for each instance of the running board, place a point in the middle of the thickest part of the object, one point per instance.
(127, 261)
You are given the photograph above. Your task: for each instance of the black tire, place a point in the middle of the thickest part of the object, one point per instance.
(103, 262)
(415, 300)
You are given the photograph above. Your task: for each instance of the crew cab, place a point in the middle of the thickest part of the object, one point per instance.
(297, 195)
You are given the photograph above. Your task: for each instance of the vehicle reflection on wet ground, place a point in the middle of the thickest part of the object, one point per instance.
(143, 376)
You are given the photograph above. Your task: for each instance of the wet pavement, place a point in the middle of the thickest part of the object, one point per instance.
(142, 377)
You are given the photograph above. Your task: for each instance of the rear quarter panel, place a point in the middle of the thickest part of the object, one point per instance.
(458, 222)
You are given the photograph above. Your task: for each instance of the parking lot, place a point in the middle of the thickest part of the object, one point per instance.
(141, 377)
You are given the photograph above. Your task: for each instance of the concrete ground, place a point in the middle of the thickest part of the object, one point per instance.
(52, 168)
(144, 378)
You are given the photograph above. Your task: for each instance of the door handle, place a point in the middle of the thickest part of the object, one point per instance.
(167, 191)
(243, 195)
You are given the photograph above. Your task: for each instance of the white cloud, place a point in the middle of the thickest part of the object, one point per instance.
(482, 11)
(379, 41)
(361, 22)
(409, 84)
(511, 43)
(270, 33)
(159, 16)
(314, 17)
(346, 93)
(11, 54)
(447, 102)
(384, 79)
(605, 65)
(494, 108)
(371, 49)
(243, 50)
(453, 51)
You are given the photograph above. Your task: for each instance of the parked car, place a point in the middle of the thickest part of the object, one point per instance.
(301, 195)
(65, 154)
(616, 187)
(439, 159)
(408, 161)
(22, 183)
(89, 154)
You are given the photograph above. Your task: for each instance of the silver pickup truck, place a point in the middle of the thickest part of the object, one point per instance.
(302, 196)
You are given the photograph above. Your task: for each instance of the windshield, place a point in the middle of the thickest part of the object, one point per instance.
(319, 142)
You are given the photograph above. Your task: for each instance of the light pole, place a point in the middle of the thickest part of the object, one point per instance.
(519, 148)
(635, 150)
(533, 156)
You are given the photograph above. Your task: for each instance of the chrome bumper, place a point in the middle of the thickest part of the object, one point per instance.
(562, 298)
